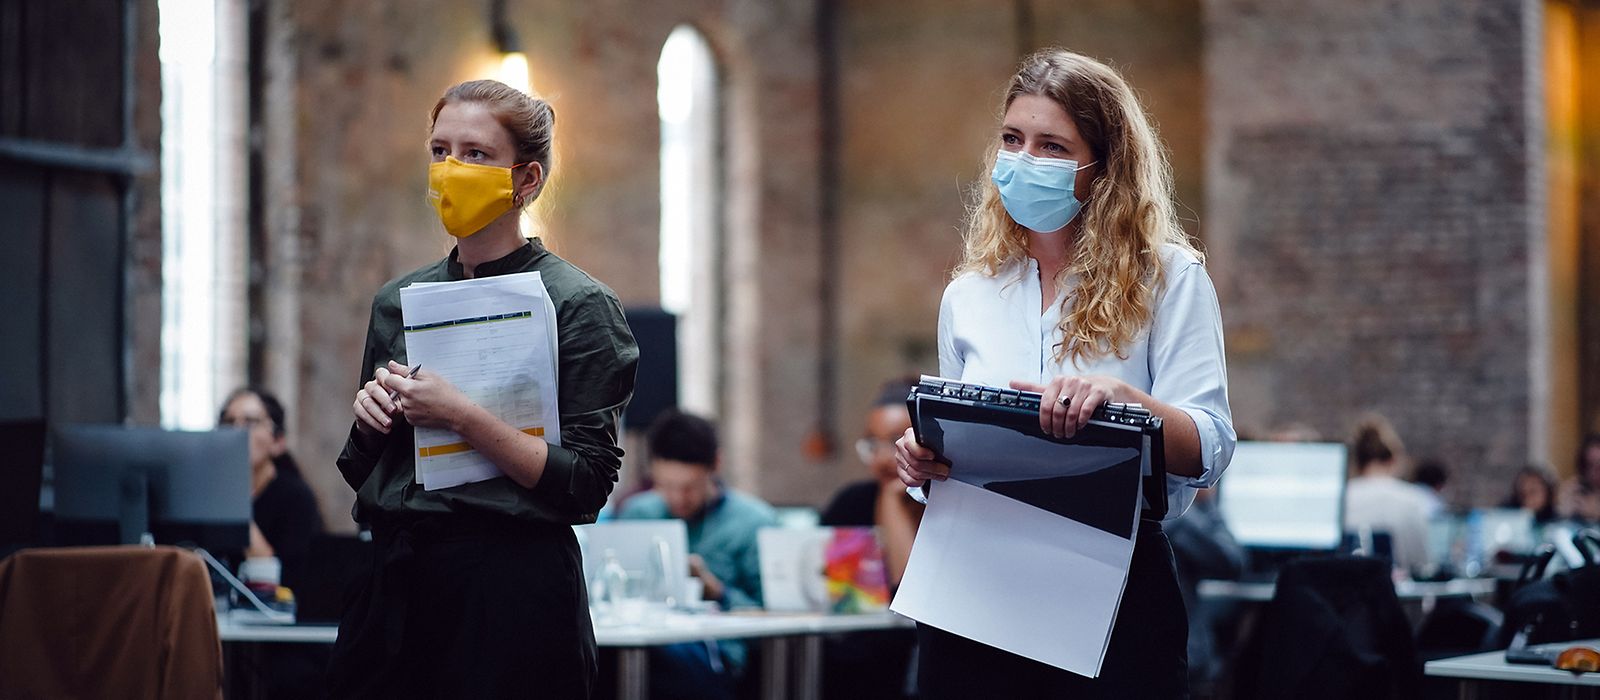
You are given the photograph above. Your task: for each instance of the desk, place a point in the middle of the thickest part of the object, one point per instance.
(1416, 597)
(231, 631)
(1425, 591)
(777, 632)
(788, 641)
(1473, 671)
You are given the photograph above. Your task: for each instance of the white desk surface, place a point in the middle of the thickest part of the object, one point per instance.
(231, 631)
(1492, 666)
(674, 629)
(688, 628)
(1261, 591)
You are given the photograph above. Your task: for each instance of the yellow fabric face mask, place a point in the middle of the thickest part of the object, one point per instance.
(469, 196)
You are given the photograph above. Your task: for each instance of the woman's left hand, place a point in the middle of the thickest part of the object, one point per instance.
(1068, 402)
(426, 400)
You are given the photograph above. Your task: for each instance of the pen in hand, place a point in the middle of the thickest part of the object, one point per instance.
(394, 396)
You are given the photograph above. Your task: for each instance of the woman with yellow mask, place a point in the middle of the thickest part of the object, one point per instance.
(477, 590)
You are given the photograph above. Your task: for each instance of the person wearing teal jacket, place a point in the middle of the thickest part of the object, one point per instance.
(722, 526)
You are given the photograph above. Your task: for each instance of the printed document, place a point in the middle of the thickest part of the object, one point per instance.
(495, 339)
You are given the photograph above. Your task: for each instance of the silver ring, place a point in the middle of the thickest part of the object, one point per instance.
(1064, 400)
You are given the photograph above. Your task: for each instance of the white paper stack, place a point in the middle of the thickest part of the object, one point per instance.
(495, 339)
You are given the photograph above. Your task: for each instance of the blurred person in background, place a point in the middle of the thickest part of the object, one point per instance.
(685, 461)
(1377, 499)
(1533, 490)
(881, 501)
(283, 521)
(1579, 497)
(283, 509)
(876, 663)
(722, 523)
(1431, 476)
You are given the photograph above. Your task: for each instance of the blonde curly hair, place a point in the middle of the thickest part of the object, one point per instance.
(1126, 219)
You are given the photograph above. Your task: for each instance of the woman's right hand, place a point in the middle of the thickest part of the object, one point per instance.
(373, 407)
(917, 463)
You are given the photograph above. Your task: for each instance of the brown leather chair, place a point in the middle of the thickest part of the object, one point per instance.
(100, 622)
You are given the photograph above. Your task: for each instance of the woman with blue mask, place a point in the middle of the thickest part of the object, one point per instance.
(1077, 282)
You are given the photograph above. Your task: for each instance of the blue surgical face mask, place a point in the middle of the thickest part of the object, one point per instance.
(1037, 192)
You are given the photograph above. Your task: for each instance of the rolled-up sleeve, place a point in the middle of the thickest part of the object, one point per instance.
(1187, 365)
(598, 358)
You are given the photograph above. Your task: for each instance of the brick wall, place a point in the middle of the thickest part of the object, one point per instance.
(1376, 235)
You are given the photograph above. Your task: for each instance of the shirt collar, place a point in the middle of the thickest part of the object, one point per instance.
(515, 261)
(711, 506)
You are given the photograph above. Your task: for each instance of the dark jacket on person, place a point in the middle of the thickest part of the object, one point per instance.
(595, 371)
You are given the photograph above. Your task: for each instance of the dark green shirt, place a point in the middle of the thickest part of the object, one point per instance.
(595, 373)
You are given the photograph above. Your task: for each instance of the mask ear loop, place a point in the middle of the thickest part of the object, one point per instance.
(516, 199)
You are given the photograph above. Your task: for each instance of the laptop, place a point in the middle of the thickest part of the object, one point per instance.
(824, 569)
(654, 553)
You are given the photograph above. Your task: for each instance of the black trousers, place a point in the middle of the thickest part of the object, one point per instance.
(1147, 658)
(458, 607)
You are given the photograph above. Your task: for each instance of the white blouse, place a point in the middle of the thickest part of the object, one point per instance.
(991, 332)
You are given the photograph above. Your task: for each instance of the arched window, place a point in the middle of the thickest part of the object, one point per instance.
(691, 279)
(203, 239)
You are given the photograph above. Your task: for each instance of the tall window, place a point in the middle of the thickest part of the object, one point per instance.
(202, 250)
(690, 273)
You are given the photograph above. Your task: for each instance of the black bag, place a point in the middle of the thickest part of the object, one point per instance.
(1561, 608)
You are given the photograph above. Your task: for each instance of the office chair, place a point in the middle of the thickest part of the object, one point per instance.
(1334, 629)
(127, 622)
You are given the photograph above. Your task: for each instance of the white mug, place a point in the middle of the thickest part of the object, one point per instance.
(693, 590)
(262, 571)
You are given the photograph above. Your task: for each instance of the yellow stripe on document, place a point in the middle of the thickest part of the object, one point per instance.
(454, 447)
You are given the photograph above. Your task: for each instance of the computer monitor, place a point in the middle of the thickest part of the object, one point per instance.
(1491, 531)
(114, 483)
(1285, 495)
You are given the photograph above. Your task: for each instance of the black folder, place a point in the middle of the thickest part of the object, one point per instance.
(995, 434)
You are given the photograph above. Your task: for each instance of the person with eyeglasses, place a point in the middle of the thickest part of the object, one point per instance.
(283, 522)
(874, 664)
(284, 516)
(881, 501)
